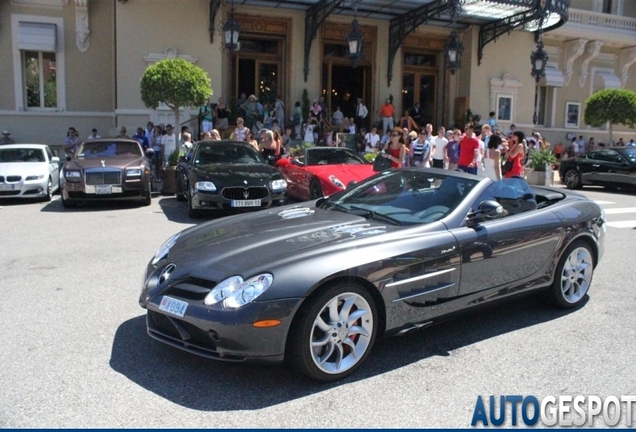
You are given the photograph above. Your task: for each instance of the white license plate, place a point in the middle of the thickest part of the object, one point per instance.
(173, 306)
(102, 190)
(246, 203)
(6, 187)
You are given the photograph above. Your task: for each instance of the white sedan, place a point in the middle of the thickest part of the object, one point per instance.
(28, 171)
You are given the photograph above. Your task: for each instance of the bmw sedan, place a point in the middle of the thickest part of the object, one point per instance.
(28, 171)
(317, 283)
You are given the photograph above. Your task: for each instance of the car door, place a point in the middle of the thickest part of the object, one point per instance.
(585, 164)
(513, 250)
(611, 168)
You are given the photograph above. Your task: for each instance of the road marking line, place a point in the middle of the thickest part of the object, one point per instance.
(620, 210)
(623, 224)
(604, 202)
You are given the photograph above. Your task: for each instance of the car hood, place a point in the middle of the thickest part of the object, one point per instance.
(344, 173)
(22, 168)
(107, 162)
(263, 239)
(240, 174)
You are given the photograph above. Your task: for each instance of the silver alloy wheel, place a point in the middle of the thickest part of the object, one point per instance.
(577, 275)
(572, 179)
(341, 333)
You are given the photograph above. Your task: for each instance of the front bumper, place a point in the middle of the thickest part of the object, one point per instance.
(213, 331)
(130, 191)
(216, 201)
(24, 189)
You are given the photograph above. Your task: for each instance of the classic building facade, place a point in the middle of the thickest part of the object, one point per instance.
(79, 62)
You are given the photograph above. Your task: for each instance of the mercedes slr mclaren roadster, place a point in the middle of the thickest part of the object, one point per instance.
(106, 169)
(317, 283)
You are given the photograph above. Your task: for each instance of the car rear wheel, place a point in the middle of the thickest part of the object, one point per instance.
(573, 276)
(572, 179)
(333, 333)
(315, 190)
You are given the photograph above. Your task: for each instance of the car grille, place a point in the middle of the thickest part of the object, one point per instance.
(242, 193)
(103, 178)
(181, 332)
(10, 179)
(9, 193)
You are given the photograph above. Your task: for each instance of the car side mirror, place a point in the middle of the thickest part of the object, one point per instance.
(488, 209)
(351, 184)
(55, 159)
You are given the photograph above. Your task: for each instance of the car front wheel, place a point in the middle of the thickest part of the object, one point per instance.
(572, 179)
(49, 194)
(333, 333)
(573, 276)
(315, 190)
(192, 212)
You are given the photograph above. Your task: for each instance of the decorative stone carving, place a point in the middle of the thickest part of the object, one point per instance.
(573, 50)
(592, 50)
(628, 58)
(169, 53)
(82, 30)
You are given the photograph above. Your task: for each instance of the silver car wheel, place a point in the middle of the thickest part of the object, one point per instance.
(576, 276)
(572, 179)
(341, 333)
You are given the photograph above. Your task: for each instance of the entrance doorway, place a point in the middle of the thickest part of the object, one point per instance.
(258, 77)
(420, 85)
(345, 85)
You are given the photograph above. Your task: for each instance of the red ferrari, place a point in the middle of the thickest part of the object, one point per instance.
(322, 171)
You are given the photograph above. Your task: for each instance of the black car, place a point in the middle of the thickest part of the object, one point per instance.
(610, 167)
(228, 175)
(106, 169)
(316, 283)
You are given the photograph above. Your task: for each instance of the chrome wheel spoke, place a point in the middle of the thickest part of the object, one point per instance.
(352, 345)
(576, 275)
(325, 356)
(320, 342)
(333, 310)
(321, 324)
(356, 315)
(358, 330)
(346, 308)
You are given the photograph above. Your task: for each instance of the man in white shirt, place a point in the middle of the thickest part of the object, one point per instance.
(371, 141)
(93, 135)
(169, 141)
(439, 148)
(581, 145)
(361, 114)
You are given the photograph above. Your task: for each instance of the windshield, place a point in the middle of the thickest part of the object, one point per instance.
(101, 149)
(404, 197)
(332, 156)
(21, 155)
(227, 153)
(629, 153)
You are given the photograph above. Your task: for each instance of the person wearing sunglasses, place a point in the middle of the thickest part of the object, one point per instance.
(396, 150)
(468, 151)
(515, 154)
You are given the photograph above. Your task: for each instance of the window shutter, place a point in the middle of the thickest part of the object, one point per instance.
(37, 37)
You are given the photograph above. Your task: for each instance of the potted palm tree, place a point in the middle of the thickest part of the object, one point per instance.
(539, 168)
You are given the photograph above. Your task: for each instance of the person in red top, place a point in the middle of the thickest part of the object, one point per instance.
(396, 150)
(387, 111)
(515, 154)
(468, 151)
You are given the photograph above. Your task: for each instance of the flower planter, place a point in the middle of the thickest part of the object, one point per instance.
(540, 178)
(169, 181)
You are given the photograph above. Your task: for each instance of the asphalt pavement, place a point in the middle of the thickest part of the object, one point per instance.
(75, 351)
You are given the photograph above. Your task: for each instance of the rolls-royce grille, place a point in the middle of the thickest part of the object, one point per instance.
(10, 179)
(249, 193)
(103, 178)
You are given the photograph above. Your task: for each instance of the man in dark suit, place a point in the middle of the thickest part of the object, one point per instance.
(417, 114)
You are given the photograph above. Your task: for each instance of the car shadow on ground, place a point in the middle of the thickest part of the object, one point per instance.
(209, 385)
(56, 206)
(176, 211)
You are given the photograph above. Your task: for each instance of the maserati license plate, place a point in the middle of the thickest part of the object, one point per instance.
(246, 203)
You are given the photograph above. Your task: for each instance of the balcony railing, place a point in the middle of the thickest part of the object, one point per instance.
(601, 20)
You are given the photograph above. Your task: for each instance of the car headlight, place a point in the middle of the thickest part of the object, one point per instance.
(72, 175)
(165, 248)
(336, 182)
(207, 186)
(133, 172)
(278, 184)
(234, 292)
(35, 177)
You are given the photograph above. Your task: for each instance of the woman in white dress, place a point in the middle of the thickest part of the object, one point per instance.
(492, 159)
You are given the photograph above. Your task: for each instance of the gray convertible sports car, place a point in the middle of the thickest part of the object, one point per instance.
(316, 283)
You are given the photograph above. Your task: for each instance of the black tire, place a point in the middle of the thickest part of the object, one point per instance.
(147, 200)
(572, 179)
(315, 190)
(66, 203)
(49, 195)
(346, 341)
(192, 212)
(182, 195)
(573, 276)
